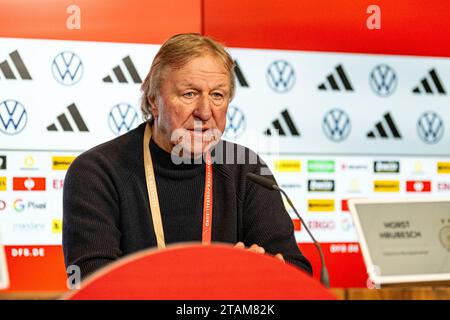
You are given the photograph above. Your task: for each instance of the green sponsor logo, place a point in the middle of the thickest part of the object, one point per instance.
(320, 166)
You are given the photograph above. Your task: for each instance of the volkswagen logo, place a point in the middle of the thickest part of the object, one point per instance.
(13, 117)
(430, 127)
(336, 125)
(67, 68)
(236, 123)
(280, 76)
(383, 80)
(122, 118)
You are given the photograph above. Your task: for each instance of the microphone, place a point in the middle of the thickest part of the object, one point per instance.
(272, 185)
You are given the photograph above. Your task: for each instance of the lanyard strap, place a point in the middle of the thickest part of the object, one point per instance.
(207, 202)
(153, 195)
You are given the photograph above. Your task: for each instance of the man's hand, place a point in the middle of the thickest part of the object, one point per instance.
(257, 249)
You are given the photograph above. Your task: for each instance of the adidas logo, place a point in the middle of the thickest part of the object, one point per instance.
(17, 62)
(426, 83)
(286, 118)
(337, 81)
(119, 74)
(385, 129)
(65, 124)
(240, 76)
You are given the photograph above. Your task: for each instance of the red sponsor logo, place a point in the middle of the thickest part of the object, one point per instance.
(418, 186)
(443, 186)
(29, 184)
(297, 224)
(344, 205)
(58, 184)
(322, 224)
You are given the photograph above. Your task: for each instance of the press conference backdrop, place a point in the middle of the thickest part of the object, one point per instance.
(331, 126)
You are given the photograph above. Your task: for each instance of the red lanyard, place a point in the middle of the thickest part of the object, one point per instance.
(207, 201)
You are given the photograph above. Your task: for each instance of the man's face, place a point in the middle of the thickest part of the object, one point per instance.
(192, 105)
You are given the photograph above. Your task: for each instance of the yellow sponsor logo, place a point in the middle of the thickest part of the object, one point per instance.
(61, 163)
(288, 165)
(29, 162)
(2, 183)
(323, 205)
(386, 186)
(57, 226)
(443, 167)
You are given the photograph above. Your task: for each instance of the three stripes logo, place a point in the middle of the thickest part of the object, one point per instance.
(119, 75)
(67, 68)
(385, 129)
(337, 81)
(240, 75)
(430, 84)
(17, 62)
(281, 130)
(65, 124)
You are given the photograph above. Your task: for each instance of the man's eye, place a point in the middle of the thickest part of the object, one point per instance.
(217, 95)
(189, 94)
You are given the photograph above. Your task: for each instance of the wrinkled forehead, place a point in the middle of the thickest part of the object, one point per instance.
(182, 63)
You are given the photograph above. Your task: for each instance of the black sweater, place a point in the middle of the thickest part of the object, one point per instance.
(106, 213)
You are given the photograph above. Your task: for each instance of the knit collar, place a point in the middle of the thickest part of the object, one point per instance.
(162, 160)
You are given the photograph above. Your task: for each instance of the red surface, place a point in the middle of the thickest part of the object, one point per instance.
(35, 268)
(344, 262)
(202, 272)
(409, 27)
(101, 20)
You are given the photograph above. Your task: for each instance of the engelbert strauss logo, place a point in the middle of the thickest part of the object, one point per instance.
(430, 127)
(280, 76)
(13, 117)
(336, 125)
(122, 118)
(383, 80)
(236, 123)
(67, 68)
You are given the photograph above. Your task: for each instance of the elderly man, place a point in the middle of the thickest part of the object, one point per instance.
(160, 184)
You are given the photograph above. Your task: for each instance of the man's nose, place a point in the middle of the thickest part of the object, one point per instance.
(203, 108)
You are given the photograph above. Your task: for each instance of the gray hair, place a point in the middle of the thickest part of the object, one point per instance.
(176, 52)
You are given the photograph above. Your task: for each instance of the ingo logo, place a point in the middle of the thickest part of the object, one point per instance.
(236, 123)
(122, 118)
(383, 80)
(13, 117)
(280, 76)
(67, 68)
(336, 125)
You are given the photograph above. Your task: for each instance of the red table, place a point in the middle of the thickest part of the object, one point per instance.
(191, 272)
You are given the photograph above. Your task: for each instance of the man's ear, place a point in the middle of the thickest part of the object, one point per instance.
(153, 106)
